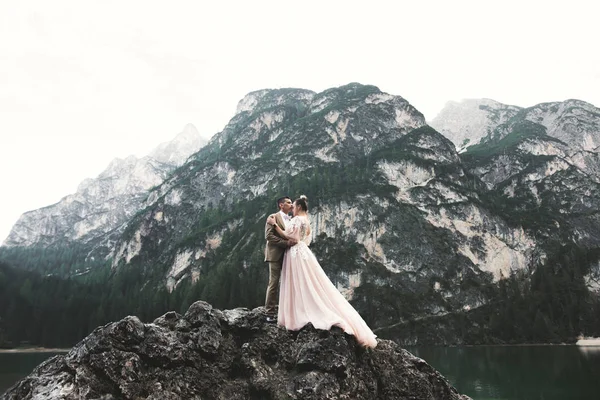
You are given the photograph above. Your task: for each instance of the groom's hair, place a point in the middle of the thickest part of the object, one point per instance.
(282, 200)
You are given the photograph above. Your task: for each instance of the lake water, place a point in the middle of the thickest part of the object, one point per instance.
(482, 372)
(518, 372)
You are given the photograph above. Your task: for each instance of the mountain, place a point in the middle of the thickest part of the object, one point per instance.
(429, 244)
(231, 354)
(542, 162)
(466, 123)
(574, 123)
(404, 225)
(397, 219)
(101, 205)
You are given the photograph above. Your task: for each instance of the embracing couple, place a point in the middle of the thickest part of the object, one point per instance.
(306, 295)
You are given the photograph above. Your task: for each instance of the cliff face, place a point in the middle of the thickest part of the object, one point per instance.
(465, 123)
(230, 354)
(540, 166)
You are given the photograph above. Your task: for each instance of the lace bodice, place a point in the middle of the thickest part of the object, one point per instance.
(299, 228)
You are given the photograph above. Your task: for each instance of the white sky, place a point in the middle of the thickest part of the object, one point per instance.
(83, 82)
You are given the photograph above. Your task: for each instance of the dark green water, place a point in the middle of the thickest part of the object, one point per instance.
(14, 366)
(518, 372)
(484, 372)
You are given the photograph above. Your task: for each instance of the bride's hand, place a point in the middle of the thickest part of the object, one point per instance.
(271, 220)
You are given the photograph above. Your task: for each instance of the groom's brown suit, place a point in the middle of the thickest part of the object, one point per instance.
(274, 250)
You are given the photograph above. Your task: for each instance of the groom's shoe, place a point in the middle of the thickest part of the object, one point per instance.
(271, 318)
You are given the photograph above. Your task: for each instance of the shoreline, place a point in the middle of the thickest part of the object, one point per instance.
(579, 343)
(588, 342)
(35, 350)
(584, 342)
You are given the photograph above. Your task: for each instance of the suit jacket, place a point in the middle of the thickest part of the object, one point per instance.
(276, 245)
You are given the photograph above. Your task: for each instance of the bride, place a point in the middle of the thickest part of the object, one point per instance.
(306, 294)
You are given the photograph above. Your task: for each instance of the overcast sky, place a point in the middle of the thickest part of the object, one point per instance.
(83, 82)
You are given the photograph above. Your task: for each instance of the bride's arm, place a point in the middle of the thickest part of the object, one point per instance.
(280, 232)
(271, 221)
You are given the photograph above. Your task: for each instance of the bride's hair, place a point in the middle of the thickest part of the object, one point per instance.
(302, 202)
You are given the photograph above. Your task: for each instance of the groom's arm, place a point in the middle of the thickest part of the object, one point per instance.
(273, 238)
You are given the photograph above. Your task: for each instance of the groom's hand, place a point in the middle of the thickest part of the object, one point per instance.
(292, 242)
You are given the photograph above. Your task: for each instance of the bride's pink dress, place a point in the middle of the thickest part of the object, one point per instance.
(307, 295)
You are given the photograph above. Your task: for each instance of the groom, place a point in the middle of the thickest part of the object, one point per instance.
(276, 246)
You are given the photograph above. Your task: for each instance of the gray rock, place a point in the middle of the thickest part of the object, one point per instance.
(169, 320)
(232, 354)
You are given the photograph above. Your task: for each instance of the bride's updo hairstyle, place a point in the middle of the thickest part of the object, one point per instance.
(302, 202)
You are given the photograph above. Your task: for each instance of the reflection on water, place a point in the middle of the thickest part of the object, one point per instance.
(589, 351)
(14, 366)
(519, 372)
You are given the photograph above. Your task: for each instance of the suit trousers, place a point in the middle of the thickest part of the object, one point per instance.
(272, 299)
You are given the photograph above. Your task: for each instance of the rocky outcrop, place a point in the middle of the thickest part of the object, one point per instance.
(231, 354)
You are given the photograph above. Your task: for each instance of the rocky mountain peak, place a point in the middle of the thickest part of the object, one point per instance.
(118, 165)
(574, 122)
(102, 204)
(466, 122)
(176, 151)
(268, 145)
(343, 95)
(269, 98)
(232, 354)
(249, 101)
